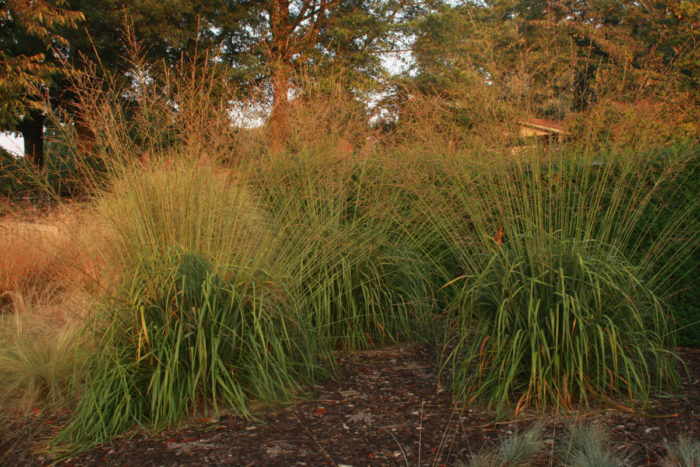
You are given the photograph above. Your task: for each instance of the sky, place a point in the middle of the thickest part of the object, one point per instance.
(12, 143)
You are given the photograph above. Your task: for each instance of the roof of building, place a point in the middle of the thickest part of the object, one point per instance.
(544, 125)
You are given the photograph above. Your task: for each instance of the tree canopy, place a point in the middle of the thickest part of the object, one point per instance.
(552, 57)
(562, 55)
(31, 47)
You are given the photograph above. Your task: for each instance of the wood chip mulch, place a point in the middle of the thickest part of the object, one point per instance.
(385, 408)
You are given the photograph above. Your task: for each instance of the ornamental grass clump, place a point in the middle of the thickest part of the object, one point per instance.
(518, 449)
(685, 452)
(358, 281)
(43, 351)
(186, 339)
(589, 447)
(359, 290)
(184, 202)
(555, 300)
(200, 316)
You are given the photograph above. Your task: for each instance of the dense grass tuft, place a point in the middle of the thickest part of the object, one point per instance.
(355, 274)
(188, 339)
(555, 282)
(518, 449)
(43, 351)
(589, 447)
(186, 204)
(683, 453)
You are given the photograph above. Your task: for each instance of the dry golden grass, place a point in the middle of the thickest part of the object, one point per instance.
(56, 252)
(29, 254)
(49, 267)
(42, 347)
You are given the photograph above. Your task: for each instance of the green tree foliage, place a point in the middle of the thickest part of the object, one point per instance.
(39, 38)
(264, 44)
(274, 39)
(562, 55)
(30, 49)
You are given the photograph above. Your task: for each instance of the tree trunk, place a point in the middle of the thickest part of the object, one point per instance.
(32, 129)
(279, 119)
(280, 55)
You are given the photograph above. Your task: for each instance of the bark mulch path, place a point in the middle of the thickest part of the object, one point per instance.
(384, 409)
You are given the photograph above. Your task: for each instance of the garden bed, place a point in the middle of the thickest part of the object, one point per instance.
(384, 409)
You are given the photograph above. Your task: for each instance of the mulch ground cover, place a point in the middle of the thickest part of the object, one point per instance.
(385, 408)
